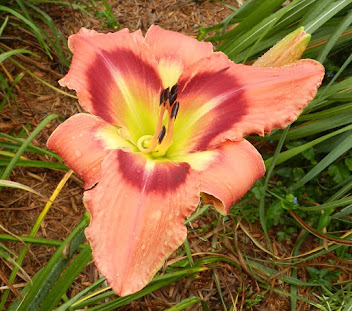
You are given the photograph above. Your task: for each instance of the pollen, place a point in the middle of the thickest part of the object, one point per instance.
(160, 142)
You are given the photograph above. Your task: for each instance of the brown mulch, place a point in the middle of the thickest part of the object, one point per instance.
(34, 101)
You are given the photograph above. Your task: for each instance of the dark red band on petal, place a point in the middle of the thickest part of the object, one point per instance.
(212, 85)
(102, 84)
(163, 177)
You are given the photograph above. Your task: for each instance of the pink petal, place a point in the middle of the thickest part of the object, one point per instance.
(237, 166)
(175, 52)
(137, 213)
(220, 100)
(226, 173)
(80, 143)
(116, 78)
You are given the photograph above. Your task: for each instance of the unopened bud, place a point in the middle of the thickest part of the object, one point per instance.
(286, 51)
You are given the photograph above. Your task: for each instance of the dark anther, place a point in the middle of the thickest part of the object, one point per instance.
(172, 98)
(162, 134)
(162, 97)
(175, 110)
(166, 94)
(174, 89)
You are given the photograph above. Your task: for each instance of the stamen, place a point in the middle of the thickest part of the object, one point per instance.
(153, 141)
(167, 142)
(173, 97)
(162, 134)
(166, 94)
(162, 139)
(174, 89)
(174, 110)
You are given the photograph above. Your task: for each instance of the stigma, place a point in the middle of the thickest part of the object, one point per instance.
(160, 142)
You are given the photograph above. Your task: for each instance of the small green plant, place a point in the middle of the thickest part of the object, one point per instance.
(108, 16)
(323, 276)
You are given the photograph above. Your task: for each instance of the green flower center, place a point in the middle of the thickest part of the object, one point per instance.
(158, 144)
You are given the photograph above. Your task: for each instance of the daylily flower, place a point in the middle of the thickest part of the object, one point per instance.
(165, 123)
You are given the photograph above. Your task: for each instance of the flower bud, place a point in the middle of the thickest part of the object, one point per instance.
(286, 51)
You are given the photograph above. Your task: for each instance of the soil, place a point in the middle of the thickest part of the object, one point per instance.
(34, 101)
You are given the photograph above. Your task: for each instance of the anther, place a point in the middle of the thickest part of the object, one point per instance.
(166, 94)
(162, 134)
(172, 98)
(174, 110)
(174, 89)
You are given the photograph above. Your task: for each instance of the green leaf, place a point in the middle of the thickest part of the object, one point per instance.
(339, 172)
(34, 28)
(325, 15)
(12, 184)
(52, 270)
(189, 302)
(289, 202)
(3, 25)
(315, 10)
(348, 162)
(298, 173)
(286, 155)
(66, 279)
(239, 36)
(36, 163)
(8, 54)
(30, 148)
(274, 214)
(332, 156)
(318, 126)
(25, 144)
(334, 37)
(66, 306)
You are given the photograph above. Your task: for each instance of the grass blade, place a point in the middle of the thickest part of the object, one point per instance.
(332, 156)
(66, 279)
(69, 303)
(34, 232)
(25, 144)
(52, 270)
(12, 184)
(327, 14)
(189, 302)
(334, 37)
(8, 54)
